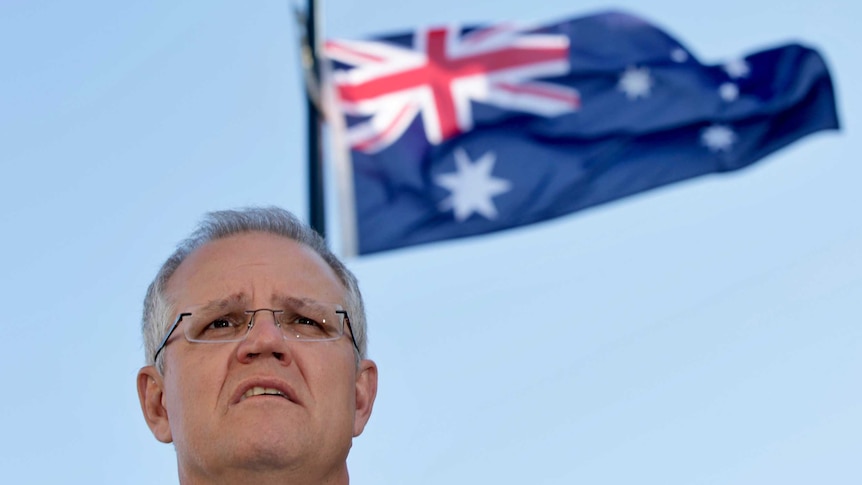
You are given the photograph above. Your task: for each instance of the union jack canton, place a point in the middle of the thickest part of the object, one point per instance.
(441, 74)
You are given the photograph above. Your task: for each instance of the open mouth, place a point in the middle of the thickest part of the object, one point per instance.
(262, 391)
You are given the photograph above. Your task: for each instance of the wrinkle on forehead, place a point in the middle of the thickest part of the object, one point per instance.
(249, 268)
(242, 299)
(239, 298)
(290, 301)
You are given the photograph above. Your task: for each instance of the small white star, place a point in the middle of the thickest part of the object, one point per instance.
(718, 138)
(728, 92)
(737, 68)
(472, 187)
(679, 55)
(635, 82)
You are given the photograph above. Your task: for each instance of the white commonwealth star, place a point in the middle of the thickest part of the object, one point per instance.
(472, 186)
(635, 82)
(718, 138)
(737, 68)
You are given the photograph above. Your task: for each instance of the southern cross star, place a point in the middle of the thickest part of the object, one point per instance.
(472, 187)
(635, 82)
(737, 68)
(728, 92)
(718, 138)
(679, 55)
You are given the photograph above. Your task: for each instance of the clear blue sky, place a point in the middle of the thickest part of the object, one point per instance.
(706, 333)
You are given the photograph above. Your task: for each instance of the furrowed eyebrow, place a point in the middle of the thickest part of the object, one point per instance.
(289, 301)
(242, 300)
(284, 301)
(231, 301)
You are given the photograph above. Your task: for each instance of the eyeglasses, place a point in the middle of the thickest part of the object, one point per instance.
(300, 319)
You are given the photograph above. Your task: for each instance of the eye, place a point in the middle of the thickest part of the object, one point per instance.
(306, 321)
(220, 323)
(216, 327)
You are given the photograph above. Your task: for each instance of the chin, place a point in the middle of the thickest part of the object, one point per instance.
(267, 440)
(264, 452)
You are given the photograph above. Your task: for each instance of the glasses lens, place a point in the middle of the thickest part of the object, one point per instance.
(216, 326)
(307, 320)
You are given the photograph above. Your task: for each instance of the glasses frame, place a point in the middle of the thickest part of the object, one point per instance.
(251, 324)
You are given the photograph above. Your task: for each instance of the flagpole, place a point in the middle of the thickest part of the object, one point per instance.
(316, 207)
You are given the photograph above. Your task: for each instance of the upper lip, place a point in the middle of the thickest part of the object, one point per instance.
(268, 382)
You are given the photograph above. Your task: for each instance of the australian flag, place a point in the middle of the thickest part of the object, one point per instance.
(455, 132)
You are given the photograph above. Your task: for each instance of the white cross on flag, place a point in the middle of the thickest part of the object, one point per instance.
(441, 75)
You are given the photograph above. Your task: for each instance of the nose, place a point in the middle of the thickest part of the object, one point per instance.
(264, 339)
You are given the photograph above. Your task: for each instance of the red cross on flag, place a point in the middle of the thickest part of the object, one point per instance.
(439, 77)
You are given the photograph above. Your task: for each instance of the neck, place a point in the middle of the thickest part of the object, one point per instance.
(234, 476)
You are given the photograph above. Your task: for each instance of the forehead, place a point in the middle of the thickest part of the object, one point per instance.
(260, 266)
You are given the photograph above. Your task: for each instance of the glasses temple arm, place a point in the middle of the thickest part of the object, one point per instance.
(170, 332)
(350, 327)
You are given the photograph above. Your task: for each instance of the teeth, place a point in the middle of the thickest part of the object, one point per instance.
(259, 391)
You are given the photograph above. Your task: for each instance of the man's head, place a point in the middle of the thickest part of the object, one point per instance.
(318, 394)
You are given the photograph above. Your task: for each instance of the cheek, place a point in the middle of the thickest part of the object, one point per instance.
(334, 414)
(342, 388)
(192, 391)
(330, 377)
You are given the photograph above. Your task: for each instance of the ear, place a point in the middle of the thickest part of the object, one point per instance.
(366, 392)
(151, 394)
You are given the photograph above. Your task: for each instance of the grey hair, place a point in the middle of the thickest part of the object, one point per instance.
(158, 313)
